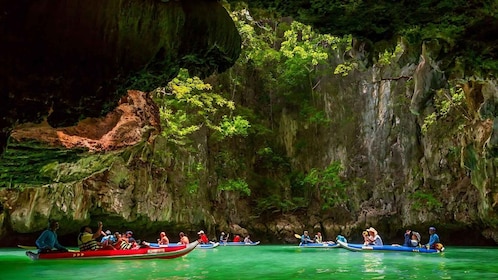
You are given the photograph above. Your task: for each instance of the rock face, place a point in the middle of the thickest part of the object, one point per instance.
(68, 60)
(133, 120)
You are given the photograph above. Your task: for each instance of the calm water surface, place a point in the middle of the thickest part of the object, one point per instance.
(265, 262)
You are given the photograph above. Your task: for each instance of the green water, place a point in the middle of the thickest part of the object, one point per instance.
(265, 262)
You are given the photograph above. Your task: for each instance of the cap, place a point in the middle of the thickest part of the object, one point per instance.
(200, 232)
(129, 232)
(108, 232)
(432, 228)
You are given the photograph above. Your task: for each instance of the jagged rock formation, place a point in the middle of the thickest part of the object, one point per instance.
(68, 60)
(135, 119)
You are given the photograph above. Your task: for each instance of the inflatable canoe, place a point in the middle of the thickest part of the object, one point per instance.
(239, 243)
(319, 245)
(174, 245)
(141, 253)
(384, 248)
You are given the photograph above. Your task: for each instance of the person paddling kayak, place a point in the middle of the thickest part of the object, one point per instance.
(47, 241)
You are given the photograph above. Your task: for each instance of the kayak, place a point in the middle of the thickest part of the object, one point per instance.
(174, 245)
(141, 253)
(35, 248)
(384, 248)
(319, 245)
(239, 243)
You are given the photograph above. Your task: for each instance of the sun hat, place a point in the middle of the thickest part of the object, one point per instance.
(129, 232)
(432, 228)
(200, 232)
(372, 230)
(108, 232)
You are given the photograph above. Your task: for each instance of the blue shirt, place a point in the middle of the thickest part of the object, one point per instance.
(48, 240)
(408, 242)
(110, 237)
(433, 239)
(305, 239)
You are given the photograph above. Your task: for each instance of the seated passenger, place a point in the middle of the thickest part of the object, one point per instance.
(236, 238)
(163, 240)
(433, 239)
(108, 239)
(415, 241)
(130, 240)
(203, 238)
(223, 237)
(183, 239)
(373, 237)
(247, 240)
(305, 238)
(318, 238)
(86, 239)
(47, 241)
(121, 242)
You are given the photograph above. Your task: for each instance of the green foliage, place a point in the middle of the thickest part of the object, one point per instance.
(192, 176)
(446, 101)
(331, 187)
(275, 203)
(187, 104)
(33, 163)
(344, 69)
(236, 185)
(387, 58)
(314, 116)
(234, 126)
(425, 200)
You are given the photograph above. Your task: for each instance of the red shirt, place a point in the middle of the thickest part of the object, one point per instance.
(204, 238)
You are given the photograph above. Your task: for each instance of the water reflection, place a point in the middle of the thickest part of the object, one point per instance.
(373, 263)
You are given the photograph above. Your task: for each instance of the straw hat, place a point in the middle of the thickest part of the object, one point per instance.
(372, 230)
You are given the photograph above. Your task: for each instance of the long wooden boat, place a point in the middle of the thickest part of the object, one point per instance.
(319, 245)
(384, 248)
(174, 245)
(141, 253)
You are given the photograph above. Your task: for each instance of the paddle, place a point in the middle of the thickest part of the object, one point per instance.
(35, 248)
(297, 236)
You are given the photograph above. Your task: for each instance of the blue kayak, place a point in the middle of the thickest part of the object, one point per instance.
(392, 248)
(319, 245)
(200, 246)
(239, 243)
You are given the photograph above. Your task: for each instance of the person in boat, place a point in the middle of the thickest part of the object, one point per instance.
(433, 238)
(236, 238)
(415, 241)
(121, 242)
(183, 239)
(373, 238)
(305, 238)
(130, 239)
(203, 237)
(223, 237)
(318, 238)
(412, 239)
(87, 239)
(247, 240)
(47, 241)
(108, 238)
(163, 239)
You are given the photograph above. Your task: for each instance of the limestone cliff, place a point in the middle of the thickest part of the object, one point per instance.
(67, 60)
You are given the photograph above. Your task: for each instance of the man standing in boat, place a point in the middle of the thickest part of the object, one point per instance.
(47, 241)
